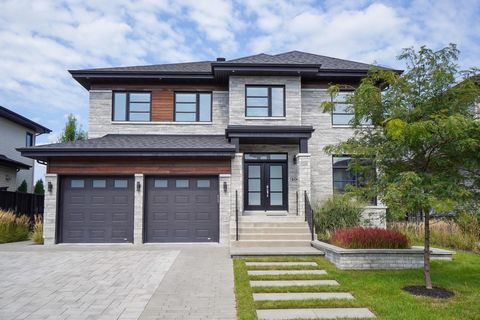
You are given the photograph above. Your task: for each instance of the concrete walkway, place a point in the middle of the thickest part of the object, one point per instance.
(199, 285)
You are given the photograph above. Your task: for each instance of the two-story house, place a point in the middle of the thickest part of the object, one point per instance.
(177, 151)
(17, 131)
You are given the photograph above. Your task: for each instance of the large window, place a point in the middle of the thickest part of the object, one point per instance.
(342, 176)
(342, 115)
(265, 101)
(131, 106)
(193, 106)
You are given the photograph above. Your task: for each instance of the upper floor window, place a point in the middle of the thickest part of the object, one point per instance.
(265, 101)
(131, 106)
(342, 115)
(193, 106)
(29, 139)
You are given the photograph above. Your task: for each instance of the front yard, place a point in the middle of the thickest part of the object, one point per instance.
(380, 291)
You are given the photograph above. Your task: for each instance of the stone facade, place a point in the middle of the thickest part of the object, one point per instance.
(225, 190)
(50, 209)
(138, 209)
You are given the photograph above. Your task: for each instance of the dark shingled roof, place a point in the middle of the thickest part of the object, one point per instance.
(136, 144)
(287, 58)
(21, 120)
(6, 161)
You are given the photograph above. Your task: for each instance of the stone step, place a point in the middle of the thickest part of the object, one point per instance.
(283, 296)
(317, 313)
(269, 224)
(287, 283)
(245, 230)
(274, 251)
(270, 243)
(282, 272)
(280, 263)
(262, 217)
(273, 236)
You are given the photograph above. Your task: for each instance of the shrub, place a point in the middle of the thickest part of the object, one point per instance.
(369, 238)
(37, 234)
(39, 189)
(336, 212)
(23, 187)
(12, 227)
(443, 233)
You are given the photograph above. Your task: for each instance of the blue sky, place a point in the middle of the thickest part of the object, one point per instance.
(41, 40)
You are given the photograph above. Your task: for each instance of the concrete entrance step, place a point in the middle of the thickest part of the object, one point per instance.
(283, 296)
(270, 243)
(273, 236)
(274, 251)
(269, 224)
(284, 229)
(287, 283)
(262, 264)
(317, 313)
(282, 272)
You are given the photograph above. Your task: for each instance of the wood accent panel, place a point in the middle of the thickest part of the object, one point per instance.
(126, 165)
(162, 105)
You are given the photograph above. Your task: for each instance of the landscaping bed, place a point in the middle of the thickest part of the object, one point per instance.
(378, 258)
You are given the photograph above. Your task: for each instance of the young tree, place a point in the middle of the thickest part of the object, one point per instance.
(39, 188)
(23, 187)
(424, 139)
(72, 131)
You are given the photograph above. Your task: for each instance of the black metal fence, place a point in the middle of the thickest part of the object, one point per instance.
(28, 204)
(310, 216)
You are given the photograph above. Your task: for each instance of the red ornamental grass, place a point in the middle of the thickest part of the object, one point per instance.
(369, 238)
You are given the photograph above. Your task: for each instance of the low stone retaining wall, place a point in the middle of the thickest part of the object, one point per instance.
(378, 258)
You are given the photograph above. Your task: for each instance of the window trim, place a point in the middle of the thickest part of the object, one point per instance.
(27, 135)
(269, 99)
(197, 105)
(341, 113)
(127, 106)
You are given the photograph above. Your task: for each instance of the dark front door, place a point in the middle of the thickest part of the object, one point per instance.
(96, 209)
(265, 186)
(181, 209)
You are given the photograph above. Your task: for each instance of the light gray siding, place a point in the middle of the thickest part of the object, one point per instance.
(100, 116)
(14, 136)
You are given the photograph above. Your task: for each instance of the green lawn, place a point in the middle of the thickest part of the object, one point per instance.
(380, 291)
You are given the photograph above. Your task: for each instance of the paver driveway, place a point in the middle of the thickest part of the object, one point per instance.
(109, 282)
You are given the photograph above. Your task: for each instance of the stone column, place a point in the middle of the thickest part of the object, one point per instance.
(237, 184)
(50, 210)
(138, 209)
(224, 191)
(304, 180)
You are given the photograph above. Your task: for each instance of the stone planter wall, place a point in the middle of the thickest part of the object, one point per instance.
(365, 259)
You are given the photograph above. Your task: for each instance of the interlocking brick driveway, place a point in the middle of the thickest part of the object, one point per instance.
(106, 282)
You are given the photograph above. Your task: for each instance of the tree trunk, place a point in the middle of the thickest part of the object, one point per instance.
(426, 252)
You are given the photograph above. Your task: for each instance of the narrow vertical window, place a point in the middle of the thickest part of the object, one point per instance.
(29, 139)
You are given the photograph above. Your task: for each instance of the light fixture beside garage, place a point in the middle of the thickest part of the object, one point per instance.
(225, 186)
(50, 186)
(139, 186)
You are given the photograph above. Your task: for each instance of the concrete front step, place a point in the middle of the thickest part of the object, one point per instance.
(273, 236)
(274, 251)
(284, 296)
(280, 263)
(283, 272)
(269, 224)
(314, 313)
(288, 283)
(270, 243)
(245, 230)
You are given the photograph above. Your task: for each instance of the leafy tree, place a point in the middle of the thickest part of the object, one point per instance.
(424, 139)
(39, 188)
(72, 131)
(23, 187)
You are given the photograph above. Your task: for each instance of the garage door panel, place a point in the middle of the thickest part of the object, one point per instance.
(189, 209)
(94, 210)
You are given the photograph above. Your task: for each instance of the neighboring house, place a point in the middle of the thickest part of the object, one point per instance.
(16, 131)
(175, 151)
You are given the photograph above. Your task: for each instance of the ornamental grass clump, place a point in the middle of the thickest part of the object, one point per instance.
(13, 228)
(369, 238)
(37, 234)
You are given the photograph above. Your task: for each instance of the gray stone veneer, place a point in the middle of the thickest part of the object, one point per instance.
(224, 206)
(50, 210)
(138, 209)
(378, 258)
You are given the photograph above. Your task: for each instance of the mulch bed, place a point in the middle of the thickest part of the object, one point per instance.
(435, 292)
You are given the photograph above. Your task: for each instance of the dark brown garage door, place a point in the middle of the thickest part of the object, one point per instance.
(181, 209)
(96, 209)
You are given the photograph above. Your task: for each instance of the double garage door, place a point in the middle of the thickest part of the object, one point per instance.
(99, 209)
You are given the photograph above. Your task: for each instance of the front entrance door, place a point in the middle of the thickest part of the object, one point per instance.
(265, 185)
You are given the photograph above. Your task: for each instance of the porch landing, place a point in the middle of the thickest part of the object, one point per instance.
(274, 251)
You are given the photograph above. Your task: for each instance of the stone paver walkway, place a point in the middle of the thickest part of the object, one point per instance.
(303, 313)
(199, 285)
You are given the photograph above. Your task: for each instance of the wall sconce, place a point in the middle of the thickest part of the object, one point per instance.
(224, 186)
(139, 185)
(294, 160)
(50, 186)
(8, 177)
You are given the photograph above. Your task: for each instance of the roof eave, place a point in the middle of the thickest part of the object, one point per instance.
(21, 120)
